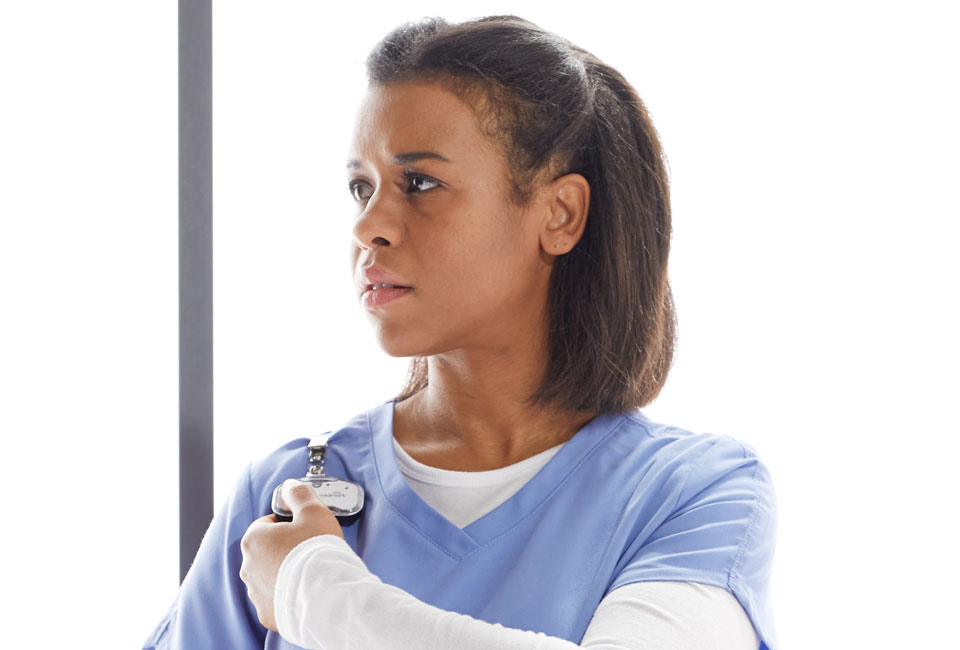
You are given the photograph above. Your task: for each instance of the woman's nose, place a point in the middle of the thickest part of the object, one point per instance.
(380, 223)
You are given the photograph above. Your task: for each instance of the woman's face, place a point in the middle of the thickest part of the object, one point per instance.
(445, 228)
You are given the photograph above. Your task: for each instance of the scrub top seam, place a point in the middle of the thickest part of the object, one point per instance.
(734, 573)
(386, 497)
(171, 614)
(556, 488)
(745, 597)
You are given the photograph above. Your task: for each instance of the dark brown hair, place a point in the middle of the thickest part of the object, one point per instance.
(556, 109)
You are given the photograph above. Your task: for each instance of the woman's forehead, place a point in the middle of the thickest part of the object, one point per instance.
(408, 118)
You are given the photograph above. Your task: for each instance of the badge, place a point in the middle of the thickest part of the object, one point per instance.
(343, 497)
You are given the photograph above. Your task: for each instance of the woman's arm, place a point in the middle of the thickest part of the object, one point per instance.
(212, 609)
(668, 614)
(327, 599)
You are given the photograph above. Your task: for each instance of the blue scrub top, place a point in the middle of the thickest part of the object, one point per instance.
(625, 500)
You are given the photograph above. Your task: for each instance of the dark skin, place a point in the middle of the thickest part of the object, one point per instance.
(479, 268)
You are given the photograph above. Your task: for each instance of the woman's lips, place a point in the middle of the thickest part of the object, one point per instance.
(380, 297)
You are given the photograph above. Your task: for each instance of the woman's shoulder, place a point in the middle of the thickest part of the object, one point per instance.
(291, 459)
(265, 473)
(675, 456)
(684, 445)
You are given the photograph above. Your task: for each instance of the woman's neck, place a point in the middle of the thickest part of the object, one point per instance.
(476, 421)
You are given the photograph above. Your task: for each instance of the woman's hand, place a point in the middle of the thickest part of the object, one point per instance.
(267, 542)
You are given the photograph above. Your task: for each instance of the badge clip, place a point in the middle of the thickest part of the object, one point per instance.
(342, 497)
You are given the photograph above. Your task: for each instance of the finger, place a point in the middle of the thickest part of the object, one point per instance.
(300, 497)
(266, 519)
(257, 526)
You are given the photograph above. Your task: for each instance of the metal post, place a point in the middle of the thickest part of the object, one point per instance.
(196, 276)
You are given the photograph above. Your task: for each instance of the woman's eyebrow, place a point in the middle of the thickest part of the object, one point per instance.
(404, 158)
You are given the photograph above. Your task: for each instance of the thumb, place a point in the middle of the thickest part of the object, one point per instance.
(300, 496)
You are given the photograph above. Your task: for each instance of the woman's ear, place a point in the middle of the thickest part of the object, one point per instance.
(568, 201)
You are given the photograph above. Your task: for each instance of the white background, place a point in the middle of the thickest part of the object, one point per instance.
(813, 155)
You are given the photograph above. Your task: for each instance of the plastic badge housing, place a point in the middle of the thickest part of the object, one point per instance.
(343, 498)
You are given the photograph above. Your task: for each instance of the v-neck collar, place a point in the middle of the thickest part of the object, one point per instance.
(460, 541)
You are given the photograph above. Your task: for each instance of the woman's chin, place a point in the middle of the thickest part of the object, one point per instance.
(397, 345)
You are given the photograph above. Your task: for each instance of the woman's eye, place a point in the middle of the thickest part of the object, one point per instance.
(416, 183)
(417, 180)
(353, 186)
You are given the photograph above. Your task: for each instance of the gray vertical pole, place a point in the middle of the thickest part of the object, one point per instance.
(196, 276)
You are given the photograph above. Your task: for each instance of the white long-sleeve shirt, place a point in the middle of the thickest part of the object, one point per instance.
(327, 599)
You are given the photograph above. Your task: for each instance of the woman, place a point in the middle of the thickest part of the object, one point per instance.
(511, 188)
